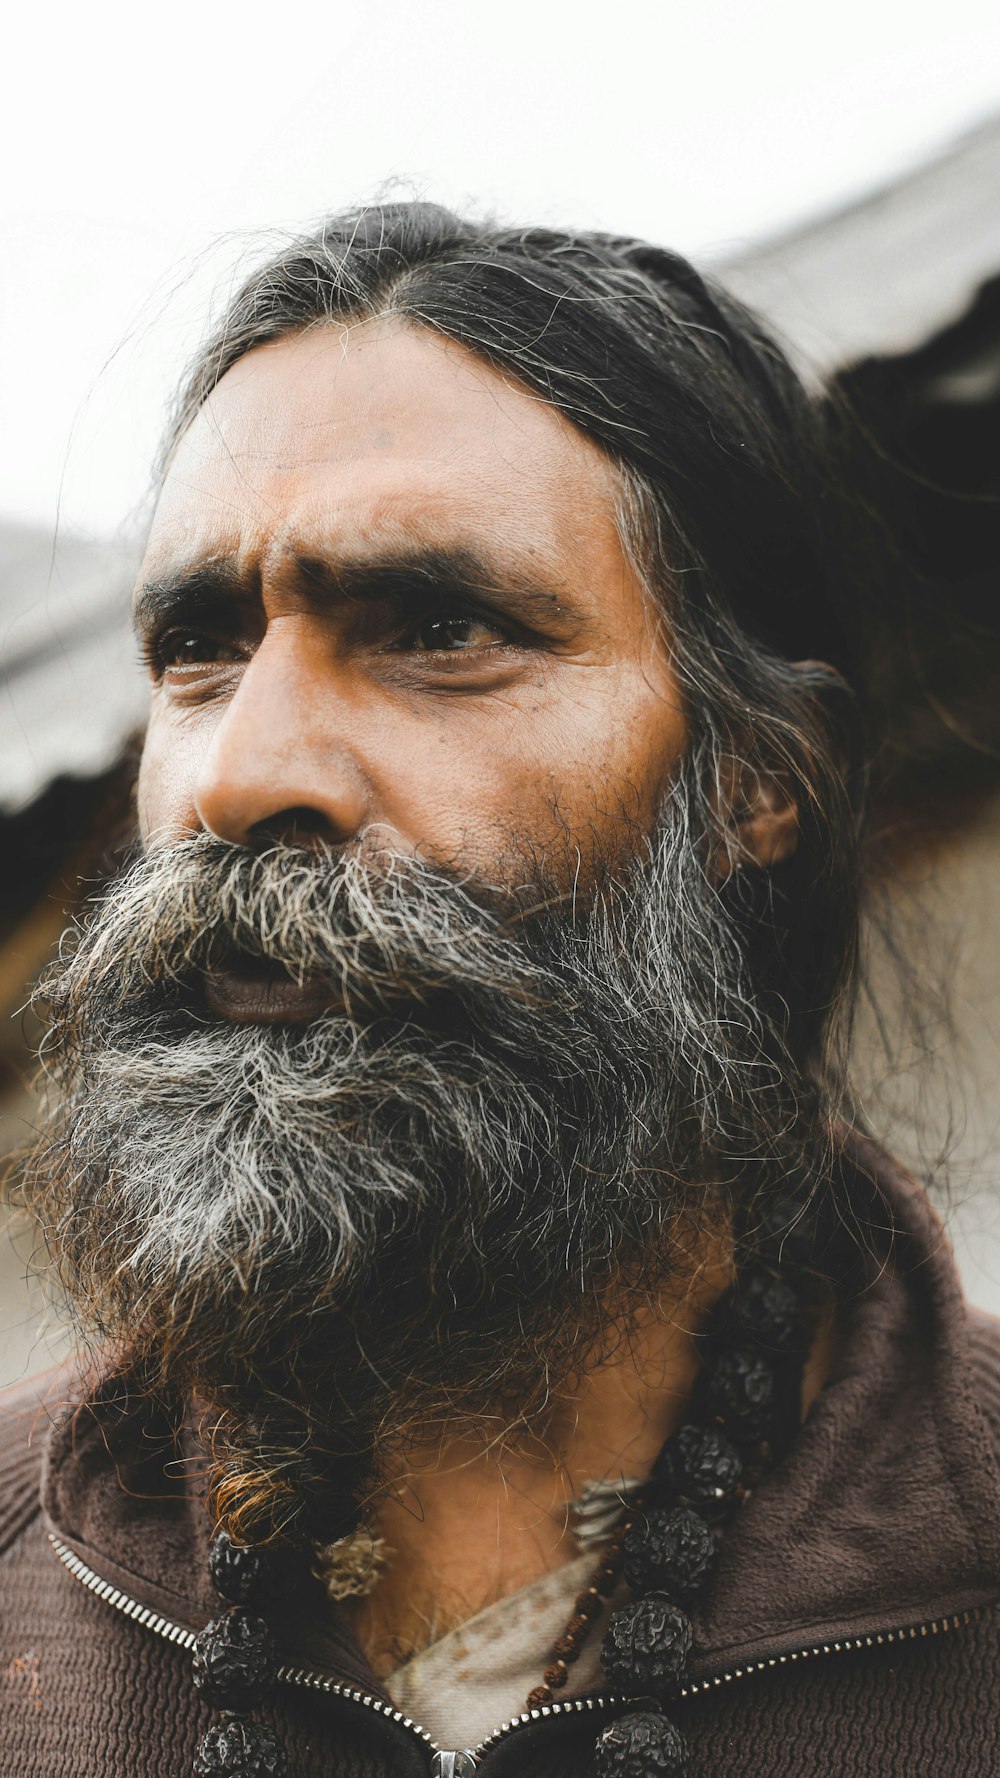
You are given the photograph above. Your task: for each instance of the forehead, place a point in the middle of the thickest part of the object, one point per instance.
(380, 434)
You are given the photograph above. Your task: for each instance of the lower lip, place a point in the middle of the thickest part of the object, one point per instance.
(272, 1000)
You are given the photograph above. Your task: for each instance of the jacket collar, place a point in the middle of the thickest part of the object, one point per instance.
(886, 1513)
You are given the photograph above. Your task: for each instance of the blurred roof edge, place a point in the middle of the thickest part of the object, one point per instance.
(71, 692)
(884, 273)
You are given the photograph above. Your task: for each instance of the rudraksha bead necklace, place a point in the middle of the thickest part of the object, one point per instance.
(234, 1667)
(745, 1410)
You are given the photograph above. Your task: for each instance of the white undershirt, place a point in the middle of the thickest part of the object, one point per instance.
(476, 1678)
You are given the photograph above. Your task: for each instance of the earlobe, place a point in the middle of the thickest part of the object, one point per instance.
(761, 819)
(771, 835)
(758, 807)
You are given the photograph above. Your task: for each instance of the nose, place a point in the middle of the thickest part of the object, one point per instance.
(280, 760)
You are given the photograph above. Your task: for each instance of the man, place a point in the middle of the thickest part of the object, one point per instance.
(502, 1353)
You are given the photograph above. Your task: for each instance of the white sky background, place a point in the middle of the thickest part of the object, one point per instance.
(147, 152)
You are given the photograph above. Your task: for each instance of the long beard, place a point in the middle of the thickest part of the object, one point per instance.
(419, 1205)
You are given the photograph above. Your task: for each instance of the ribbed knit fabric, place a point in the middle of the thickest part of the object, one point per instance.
(984, 1350)
(20, 1460)
(885, 1514)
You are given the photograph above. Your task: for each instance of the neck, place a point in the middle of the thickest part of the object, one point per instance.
(470, 1521)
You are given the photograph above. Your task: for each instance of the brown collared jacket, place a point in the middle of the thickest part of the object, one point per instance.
(850, 1630)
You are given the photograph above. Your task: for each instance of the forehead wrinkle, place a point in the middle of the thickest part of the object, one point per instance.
(326, 545)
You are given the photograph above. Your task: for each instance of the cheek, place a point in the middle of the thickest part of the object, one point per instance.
(166, 771)
(559, 791)
(610, 753)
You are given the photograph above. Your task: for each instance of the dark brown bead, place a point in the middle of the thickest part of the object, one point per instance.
(234, 1660)
(567, 1649)
(235, 1748)
(607, 1582)
(236, 1571)
(541, 1695)
(577, 1626)
(790, 1231)
(738, 1390)
(640, 1746)
(768, 1308)
(701, 1465)
(588, 1604)
(555, 1676)
(646, 1646)
(673, 1550)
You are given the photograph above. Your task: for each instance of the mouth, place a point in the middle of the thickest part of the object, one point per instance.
(256, 991)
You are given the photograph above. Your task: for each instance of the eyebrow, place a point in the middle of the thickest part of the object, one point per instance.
(215, 587)
(193, 591)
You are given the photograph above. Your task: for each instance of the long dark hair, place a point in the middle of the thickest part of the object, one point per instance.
(730, 507)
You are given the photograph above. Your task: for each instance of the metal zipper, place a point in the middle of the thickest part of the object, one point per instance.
(162, 1626)
(910, 1633)
(470, 1757)
(847, 1645)
(319, 1682)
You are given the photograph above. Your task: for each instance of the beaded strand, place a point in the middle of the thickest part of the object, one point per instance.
(234, 1667)
(746, 1407)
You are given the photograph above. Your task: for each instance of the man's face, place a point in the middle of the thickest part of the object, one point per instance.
(384, 587)
(348, 1133)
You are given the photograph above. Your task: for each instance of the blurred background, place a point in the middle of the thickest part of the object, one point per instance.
(838, 168)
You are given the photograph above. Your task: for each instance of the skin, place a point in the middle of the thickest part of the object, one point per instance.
(305, 681)
(332, 713)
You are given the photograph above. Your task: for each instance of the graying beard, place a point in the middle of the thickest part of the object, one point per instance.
(213, 1191)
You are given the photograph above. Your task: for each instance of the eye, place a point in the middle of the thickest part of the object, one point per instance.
(455, 631)
(178, 649)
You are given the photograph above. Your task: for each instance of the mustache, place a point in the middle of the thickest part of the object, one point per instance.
(381, 927)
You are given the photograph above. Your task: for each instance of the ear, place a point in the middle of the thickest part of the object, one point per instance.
(760, 816)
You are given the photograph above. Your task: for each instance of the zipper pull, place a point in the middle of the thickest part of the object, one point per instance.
(453, 1765)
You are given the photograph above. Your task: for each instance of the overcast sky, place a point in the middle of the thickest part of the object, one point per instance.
(149, 152)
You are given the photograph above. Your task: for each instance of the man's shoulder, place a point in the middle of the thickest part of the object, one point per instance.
(27, 1410)
(984, 1351)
